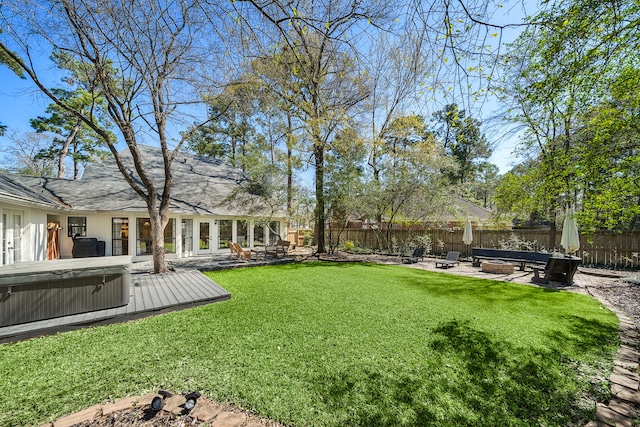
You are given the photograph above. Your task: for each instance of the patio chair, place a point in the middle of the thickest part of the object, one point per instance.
(451, 260)
(280, 248)
(234, 253)
(560, 270)
(242, 252)
(418, 254)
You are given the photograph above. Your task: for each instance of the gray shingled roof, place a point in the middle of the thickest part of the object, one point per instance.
(471, 210)
(201, 186)
(11, 188)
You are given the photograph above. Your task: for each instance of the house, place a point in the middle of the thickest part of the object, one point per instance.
(40, 216)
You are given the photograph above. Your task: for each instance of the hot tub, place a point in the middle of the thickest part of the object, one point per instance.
(31, 291)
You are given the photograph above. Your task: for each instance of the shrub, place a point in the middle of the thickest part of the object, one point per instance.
(307, 238)
(349, 245)
(413, 242)
(516, 243)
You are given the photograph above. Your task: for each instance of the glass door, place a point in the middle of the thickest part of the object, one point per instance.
(187, 237)
(204, 238)
(11, 237)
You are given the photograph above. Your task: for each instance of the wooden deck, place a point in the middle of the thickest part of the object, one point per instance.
(150, 294)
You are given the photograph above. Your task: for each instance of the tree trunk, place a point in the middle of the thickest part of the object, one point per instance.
(553, 228)
(157, 240)
(318, 152)
(289, 170)
(76, 163)
(65, 148)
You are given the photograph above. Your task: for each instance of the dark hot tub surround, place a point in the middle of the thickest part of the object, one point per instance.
(31, 291)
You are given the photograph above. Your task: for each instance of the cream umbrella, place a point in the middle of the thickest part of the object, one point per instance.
(467, 236)
(570, 240)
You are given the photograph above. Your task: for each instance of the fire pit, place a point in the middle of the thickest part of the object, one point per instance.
(497, 267)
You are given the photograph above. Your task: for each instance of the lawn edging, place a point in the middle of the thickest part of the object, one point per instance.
(622, 409)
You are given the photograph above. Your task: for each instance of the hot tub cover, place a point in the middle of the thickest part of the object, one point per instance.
(41, 271)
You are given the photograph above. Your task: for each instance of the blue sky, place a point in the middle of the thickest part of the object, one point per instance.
(21, 101)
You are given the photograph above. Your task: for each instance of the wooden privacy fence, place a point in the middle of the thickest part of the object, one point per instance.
(615, 250)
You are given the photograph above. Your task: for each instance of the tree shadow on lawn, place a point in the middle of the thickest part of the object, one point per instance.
(585, 334)
(469, 379)
(483, 291)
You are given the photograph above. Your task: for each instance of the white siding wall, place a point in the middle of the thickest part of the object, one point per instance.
(34, 231)
(98, 226)
(34, 241)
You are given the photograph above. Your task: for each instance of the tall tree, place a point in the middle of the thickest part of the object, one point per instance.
(230, 129)
(545, 101)
(609, 158)
(345, 180)
(71, 132)
(463, 141)
(410, 187)
(141, 57)
(22, 155)
(557, 70)
(255, 131)
(485, 184)
(395, 67)
(315, 62)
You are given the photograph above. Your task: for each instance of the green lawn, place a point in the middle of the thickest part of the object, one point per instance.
(337, 345)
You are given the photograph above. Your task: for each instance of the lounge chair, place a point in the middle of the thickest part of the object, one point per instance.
(418, 254)
(234, 253)
(242, 252)
(560, 270)
(451, 260)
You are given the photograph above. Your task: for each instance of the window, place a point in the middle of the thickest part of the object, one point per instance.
(243, 232)
(274, 232)
(119, 236)
(170, 237)
(205, 234)
(143, 238)
(225, 233)
(258, 235)
(187, 235)
(77, 226)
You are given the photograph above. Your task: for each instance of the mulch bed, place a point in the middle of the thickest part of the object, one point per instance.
(138, 417)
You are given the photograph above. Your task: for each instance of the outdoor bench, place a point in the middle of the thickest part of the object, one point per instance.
(521, 258)
(557, 270)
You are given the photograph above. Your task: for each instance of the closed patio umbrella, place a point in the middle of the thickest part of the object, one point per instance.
(467, 236)
(570, 240)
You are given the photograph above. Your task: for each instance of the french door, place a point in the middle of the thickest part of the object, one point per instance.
(205, 238)
(11, 236)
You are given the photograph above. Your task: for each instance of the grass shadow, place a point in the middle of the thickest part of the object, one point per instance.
(472, 380)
